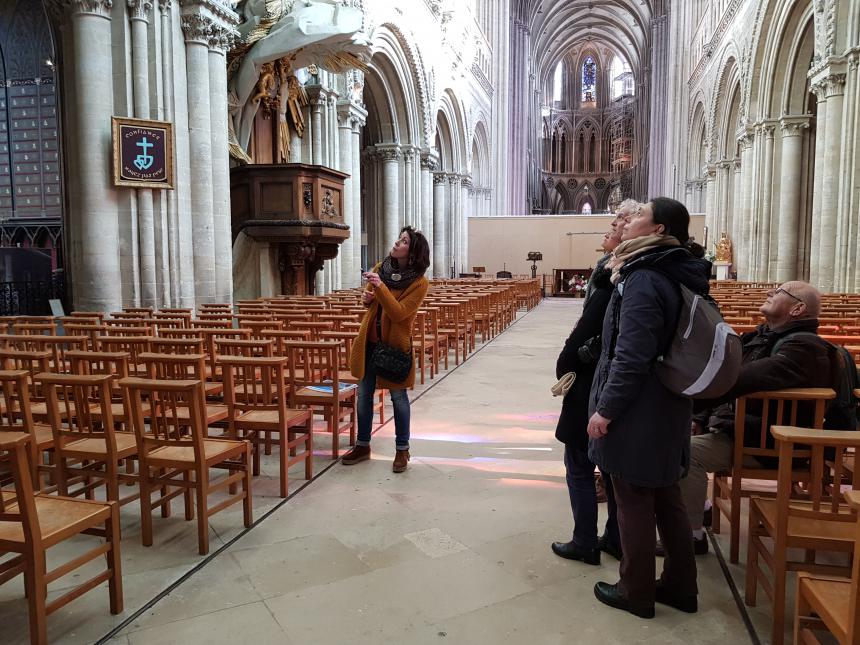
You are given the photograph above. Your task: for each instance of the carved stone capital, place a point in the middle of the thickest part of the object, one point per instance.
(409, 154)
(165, 5)
(793, 126)
(454, 179)
(197, 28)
(388, 153)
(204, 21)
(92, 7)
(222, 39)
(439, 178)
(429, 160)
(139, 9)
(466, 180)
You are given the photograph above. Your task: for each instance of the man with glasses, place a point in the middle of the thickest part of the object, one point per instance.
(800, 361)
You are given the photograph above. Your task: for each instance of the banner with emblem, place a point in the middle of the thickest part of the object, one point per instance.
(142, 153)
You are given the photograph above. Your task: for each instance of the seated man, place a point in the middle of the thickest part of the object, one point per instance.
(800, 361)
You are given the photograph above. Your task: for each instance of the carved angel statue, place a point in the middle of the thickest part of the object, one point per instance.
(724, 249)
(321, 32)
(293, 100)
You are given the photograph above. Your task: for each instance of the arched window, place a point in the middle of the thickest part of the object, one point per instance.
(589, 82)
(556, 83)
(622, 78)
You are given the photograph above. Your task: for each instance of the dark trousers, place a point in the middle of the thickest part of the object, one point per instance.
(583, 500)
(639, 509)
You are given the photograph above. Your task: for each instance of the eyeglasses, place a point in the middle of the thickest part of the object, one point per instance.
(790, 295)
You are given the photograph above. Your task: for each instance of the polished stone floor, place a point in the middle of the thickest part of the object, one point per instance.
(455, 550)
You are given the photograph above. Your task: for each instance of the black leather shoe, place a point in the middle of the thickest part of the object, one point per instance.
(700, 547)
(609, 595)
(688, 604)
(570, 551)
(606, 546)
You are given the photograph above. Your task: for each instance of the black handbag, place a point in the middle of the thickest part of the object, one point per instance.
(389, 362)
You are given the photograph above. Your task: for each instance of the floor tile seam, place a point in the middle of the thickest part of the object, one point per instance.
(132, 630)
(212, 556)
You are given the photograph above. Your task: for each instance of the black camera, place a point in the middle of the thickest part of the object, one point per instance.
(589, 352)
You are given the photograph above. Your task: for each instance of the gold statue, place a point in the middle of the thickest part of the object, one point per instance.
(724, 249)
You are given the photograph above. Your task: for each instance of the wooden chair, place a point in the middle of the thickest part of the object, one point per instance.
(827, 603)
(175, 453)
(779, 407)
(346, 340)
(315, 382)
(16, 415)
(820, 521)
(87, 446)
(134, 347)
(183, 367)
(262, 410)
(34, 523)
(422, 346)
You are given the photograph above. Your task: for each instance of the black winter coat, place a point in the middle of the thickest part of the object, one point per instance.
(573, 421)
(648, 443)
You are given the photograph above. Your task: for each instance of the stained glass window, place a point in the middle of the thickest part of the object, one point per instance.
(589, 80)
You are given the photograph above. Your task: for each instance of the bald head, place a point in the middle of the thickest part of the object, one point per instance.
(791, 301)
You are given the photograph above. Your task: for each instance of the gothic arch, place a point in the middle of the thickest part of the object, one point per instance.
(451, 109)
(390, 95)
(480, 156)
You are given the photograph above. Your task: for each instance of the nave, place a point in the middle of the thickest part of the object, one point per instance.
(455, 550)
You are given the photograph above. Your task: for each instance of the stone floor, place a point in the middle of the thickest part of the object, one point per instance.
(455, 550)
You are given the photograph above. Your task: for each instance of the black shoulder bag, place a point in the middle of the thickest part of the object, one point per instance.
(389, 362)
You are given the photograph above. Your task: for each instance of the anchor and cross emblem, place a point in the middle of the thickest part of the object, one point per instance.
(144, 160)
(143, 153)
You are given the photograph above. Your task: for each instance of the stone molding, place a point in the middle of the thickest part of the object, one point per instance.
(92, 7)
(139, 9)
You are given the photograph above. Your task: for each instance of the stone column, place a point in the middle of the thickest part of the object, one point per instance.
(455, 223)
(220, 43)
(358, 121)
(139, 15)
(827, 172)
(468, 195)
(93, 226)
(391, 216)
(725, 196)
(199, 27)
(428, 165)
(440, 268)
(347, 249)
(737, 199)
(789, 196)
(316, 129)
(742, 245)
(410, 206)
(659, 89)
(711, 201)
(766, 215)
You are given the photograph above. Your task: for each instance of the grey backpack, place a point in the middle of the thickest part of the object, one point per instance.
(703, 360)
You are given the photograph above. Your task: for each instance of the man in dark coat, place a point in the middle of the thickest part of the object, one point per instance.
(800, 361)
(579, 355)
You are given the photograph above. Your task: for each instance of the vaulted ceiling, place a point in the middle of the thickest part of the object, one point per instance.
(559, 26)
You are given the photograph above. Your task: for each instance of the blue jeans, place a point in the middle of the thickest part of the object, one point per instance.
(583, 500)
(399, 400)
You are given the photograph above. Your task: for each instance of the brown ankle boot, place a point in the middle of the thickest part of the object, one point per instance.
(401, 461)
(357, 454)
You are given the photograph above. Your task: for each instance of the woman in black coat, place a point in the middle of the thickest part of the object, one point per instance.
(579, 355)
(640, 431)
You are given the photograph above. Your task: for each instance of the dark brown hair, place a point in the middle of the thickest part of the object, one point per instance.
(419, 250)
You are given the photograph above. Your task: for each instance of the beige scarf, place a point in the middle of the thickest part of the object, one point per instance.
(631, 249)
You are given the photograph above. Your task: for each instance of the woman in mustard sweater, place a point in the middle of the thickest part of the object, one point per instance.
(395, 290)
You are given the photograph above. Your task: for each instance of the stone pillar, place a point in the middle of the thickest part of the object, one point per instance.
(347, 248)
(659, 90)
(789, 196)
(93, 229)
(766, 215)
(468, 195)
(726, 213)
(827, 173)
(455, 223)
(316, 131)
(198, 27)
(139, 15)
(711, 201)
(410, 206)
(440, 267)
(428, 165)
(220, 42)
(742, 245)
(737, 200)
(357, 122)
(391, 217)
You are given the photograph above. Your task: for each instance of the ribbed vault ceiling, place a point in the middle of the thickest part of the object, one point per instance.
(559, 26)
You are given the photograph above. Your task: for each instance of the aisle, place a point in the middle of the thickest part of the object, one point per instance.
(456, 550)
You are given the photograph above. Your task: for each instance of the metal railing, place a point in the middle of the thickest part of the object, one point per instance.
(30, 298)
